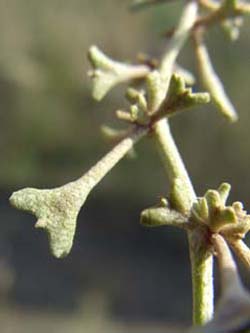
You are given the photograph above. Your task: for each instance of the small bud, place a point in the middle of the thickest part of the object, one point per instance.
(138, 112)
(232, 27)
(159, 216)
(180, 98)
(239, 229)
(112, 134)
(124, 115)
(213, 200)
(200, 210)
(224, 217)
(224, 191)
(185, 74)
(230, 221)
(137, 97)
(163, 202)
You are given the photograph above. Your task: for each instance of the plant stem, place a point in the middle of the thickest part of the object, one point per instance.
(182, 192)
(202, 277)
(228, 269)
(175, 168)
(184, 196)
(242, 251)
(178, 39)
(107, 162)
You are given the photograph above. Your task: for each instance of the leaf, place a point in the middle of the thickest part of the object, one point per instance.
(56, 211)
(107, 72)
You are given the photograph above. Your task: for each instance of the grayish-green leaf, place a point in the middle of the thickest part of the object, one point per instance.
(57, 209)
(107, 72)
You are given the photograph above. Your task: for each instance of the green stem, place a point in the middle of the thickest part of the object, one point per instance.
(182, 197)
(178, 39)
(107, 162)
(202, 277)
(182, 192)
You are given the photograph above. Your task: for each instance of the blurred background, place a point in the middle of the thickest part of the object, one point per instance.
(119, 277)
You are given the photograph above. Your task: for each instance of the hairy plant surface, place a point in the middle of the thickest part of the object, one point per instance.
(158, 90)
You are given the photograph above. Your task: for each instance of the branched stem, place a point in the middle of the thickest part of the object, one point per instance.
(182, 192)
(183, 196)
(57, 209)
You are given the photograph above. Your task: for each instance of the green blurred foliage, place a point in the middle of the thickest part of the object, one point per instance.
(50, 125)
